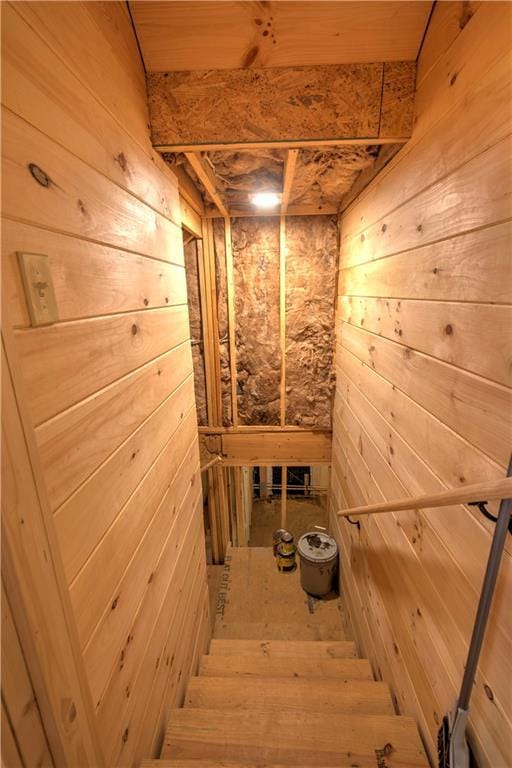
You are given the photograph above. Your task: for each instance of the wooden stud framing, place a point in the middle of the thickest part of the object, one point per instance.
(207, 178)
(231, 319)
(284, 491)
(289, 172)
(282, 317)
(207, 341)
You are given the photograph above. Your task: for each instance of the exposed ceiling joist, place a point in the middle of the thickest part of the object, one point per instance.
(289, 171)
(294, 144)
(207, 178)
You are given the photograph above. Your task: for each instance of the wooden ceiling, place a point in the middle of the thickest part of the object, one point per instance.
(178, 36)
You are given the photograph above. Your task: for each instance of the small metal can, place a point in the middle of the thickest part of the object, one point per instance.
(276, 539)
(286, 553)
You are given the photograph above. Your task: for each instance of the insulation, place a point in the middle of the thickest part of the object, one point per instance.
(196, 330)
(323, 176)
(311, 262)
(255, 243)
(240, 174)
(222, 317)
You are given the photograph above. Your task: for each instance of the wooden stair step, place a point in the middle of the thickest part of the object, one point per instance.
(290, 694)
(275, 630)
(257, 666)
(308, 649)
(294, 738)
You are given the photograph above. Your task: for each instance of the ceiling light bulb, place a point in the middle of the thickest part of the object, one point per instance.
(266, 199)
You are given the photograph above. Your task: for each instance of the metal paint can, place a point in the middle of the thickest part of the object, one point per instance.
(276, 539)
(286, 550)
(318, 553)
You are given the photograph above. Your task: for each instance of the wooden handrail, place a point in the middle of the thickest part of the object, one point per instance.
(210, 464)
(490, 490)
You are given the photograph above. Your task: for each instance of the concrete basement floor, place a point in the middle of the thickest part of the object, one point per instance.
(302, 514)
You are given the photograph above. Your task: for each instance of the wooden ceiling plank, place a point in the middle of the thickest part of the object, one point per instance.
(178, 36)
(289, 172)
(207, 179)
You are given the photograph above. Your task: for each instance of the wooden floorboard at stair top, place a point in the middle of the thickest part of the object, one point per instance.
(280, 694)
(308, 649)
(257, 602)
(294, 738)
(255, 666)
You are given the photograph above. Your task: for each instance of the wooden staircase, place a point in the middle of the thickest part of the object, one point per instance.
(278, 700)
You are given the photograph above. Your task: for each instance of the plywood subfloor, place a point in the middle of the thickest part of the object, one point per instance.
(214, 573)
(301, 516)
(257, 602)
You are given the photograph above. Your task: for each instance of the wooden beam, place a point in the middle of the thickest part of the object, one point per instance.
(230, 291)
(274, 448)
(289, 172)
(187, 189)
(292, 210)
(207, 178)
(282, 317)
(206, 330)
(351, 102)
(490, 490)
(307, 143)
(190, 219)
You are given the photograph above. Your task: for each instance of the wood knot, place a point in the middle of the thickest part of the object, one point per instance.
(453, 79)
(125, 735)
(488, 692)
(362, 238)
(114, 603)
(419, 228)
(384, 227)
(39, 175)
(72, 712)
(121, 159)
(146, 302)
(435, 271)
(448, 330)
(135, 329)
(82, 207)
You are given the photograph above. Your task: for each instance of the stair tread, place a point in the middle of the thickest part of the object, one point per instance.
(276, 630)
(298, 738)
(279, 694)
(332, 649)
(227, 666)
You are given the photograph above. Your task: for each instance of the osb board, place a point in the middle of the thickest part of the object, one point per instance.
(255, 243)
(242, 105)
(397, 108)
(323, 175)
(226, 35)
(311, 262)
(196, 330)
(222, 316)
(256, 601)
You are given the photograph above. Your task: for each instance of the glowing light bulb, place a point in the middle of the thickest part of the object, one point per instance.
(266, 199)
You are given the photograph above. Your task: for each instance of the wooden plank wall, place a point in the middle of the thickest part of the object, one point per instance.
(109, 387)
(423, 399)
(20, 713)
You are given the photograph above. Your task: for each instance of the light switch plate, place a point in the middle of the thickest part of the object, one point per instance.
(38, 284)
